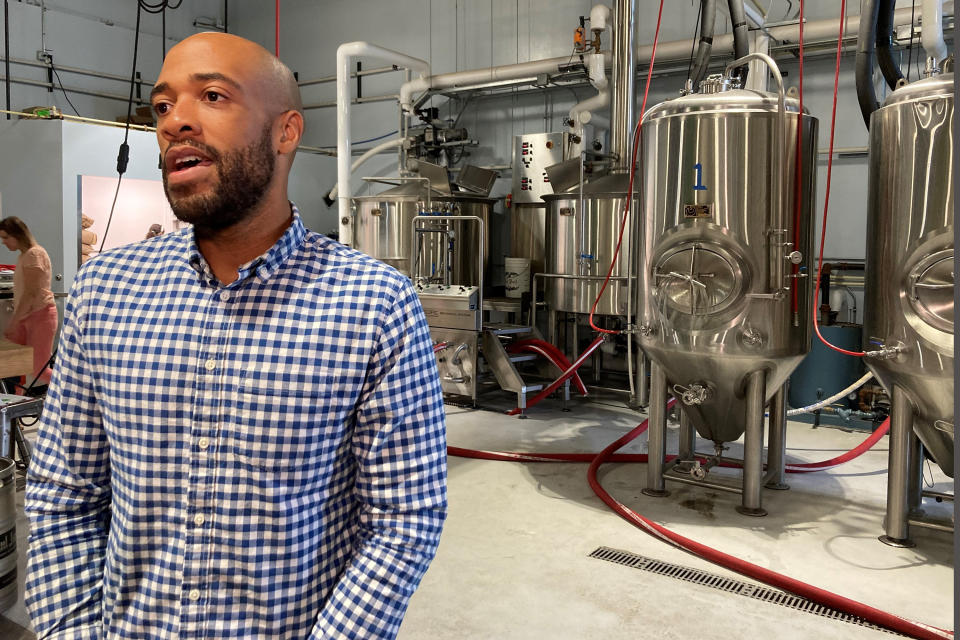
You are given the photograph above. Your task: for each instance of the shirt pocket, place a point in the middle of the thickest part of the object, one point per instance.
(288, 419)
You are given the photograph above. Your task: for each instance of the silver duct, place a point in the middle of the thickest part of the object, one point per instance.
(624, 95)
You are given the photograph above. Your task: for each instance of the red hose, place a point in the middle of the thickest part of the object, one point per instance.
(826, 200)
(276, 30)
(800, 467)
(633, 172)
(566, 374)
(859, 450)
(815, 594)
(551, 353)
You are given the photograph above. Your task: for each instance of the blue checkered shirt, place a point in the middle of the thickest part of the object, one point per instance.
(260, 460)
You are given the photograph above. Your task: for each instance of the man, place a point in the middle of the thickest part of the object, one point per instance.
(244, 434)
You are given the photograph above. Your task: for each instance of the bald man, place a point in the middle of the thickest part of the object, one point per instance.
(244, 433)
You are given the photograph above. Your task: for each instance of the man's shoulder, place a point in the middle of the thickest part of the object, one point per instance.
(343, 262)
(135, 258)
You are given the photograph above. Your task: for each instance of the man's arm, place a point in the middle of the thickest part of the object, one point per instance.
(68, 497)
(400, 447)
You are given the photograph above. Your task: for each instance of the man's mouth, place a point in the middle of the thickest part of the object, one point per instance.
(184, 164)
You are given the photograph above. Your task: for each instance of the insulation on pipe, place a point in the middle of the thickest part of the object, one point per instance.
(741, 43)
(888, 66)
(866, 42)
(708, 10)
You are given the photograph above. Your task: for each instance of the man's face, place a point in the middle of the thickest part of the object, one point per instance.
(215, 136)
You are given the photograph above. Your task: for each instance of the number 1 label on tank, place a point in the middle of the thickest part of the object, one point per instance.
(699, 186)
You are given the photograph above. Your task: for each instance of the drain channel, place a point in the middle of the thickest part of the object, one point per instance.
(730, 585)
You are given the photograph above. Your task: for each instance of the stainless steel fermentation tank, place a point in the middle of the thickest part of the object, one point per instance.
(722, 248)
(910, 282)
(383, 229)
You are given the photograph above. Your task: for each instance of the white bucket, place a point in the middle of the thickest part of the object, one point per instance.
(517, 271)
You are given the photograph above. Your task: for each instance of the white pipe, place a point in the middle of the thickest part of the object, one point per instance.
(484, 76)
(580, 112)
(345, 54)
(932, 20)
(389, 144)
(841, 394)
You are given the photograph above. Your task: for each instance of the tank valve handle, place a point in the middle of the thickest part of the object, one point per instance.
(886, 353)
(695, 394)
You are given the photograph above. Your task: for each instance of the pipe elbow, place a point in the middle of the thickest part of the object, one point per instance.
(599, 17)
(409, 89)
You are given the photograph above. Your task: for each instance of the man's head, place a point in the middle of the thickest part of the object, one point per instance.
(229, 120)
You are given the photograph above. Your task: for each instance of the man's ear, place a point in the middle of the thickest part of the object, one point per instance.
(291, 132)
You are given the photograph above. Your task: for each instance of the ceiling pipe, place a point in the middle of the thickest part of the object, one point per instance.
(623, 75)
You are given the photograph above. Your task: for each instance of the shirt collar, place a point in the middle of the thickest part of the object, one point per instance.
(264, 265)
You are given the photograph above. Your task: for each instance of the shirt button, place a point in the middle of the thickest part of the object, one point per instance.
(224, 295)
(203, 443)
(198, 519)
(210, 364)
(194, 594)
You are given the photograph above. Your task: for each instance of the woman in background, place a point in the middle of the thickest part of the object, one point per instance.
(34, 320)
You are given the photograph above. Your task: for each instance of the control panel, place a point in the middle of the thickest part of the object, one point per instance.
(532, 154)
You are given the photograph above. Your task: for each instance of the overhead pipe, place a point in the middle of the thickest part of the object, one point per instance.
(888, 66)
(708, 12)
(474, 77)
(345, 55)
(383, 146)
(866, 42)
(580, 113)
(932, 20)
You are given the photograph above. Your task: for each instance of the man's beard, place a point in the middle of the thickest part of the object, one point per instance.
(243, 178)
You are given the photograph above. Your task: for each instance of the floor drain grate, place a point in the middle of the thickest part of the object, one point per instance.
(730, 585)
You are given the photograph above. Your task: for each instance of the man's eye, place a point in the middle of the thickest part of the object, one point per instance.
(161, 108)
(213, 96)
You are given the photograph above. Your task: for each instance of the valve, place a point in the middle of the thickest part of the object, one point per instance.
(695, 394)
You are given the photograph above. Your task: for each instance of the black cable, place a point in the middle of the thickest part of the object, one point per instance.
(123, 157)
(163, 36)
(6, 49)
(60, 82)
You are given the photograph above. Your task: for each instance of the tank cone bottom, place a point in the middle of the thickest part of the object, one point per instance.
(655, 493)
(904, 543)
(753, 513)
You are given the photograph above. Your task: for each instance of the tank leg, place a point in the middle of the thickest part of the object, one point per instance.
(552, 327)
(898, 478)
(643, 378)
(915, 478)
(753, 446)
(687, 437)
(777, 440)
(657, 433)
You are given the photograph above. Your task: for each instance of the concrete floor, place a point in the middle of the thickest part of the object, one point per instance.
(513, 561)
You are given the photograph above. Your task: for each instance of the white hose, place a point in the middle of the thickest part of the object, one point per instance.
(396, 142)
(819, 405)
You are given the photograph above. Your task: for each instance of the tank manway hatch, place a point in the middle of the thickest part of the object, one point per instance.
(697, 280)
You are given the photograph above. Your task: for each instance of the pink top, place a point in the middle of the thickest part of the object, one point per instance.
(31, 282)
